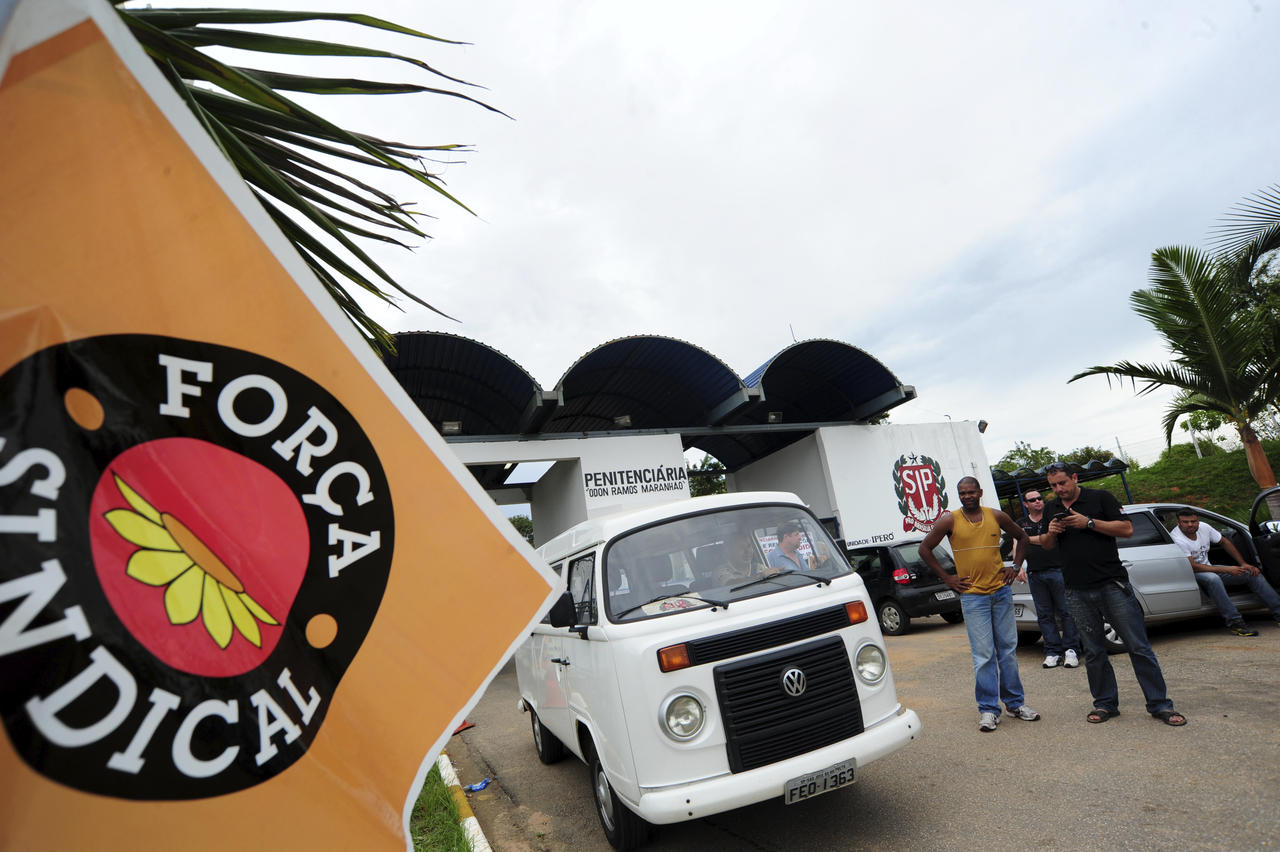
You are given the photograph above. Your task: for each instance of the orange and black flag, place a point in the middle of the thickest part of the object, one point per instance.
(239, 596)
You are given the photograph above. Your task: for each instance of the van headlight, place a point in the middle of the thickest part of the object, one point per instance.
(683, 717)
(870, 663)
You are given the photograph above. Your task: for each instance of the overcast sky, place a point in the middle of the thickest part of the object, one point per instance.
(967, 191)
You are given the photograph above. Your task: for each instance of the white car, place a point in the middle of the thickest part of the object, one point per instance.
(692, 679)
(1160, 572)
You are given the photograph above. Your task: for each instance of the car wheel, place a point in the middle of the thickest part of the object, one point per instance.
(1027, 638)
(550, 749)
(623, 828)
(1115, 645)
(953, 617)
(893, 621)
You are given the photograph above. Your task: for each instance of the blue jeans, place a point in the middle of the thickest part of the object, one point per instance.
(993, 640)
(1214, 585)
(1114, 603)
(1051, 604)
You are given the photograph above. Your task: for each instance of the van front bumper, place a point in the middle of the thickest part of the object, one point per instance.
(697, 799)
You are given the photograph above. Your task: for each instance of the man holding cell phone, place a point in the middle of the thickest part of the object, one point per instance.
(1085, 525)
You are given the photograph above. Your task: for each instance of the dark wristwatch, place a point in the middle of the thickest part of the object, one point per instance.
(1089, 525)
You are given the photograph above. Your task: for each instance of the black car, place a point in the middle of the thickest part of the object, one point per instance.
(903, 587)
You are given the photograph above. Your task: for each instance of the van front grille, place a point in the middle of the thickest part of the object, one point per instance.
(765, 724)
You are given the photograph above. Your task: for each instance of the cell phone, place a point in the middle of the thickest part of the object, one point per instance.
(1060, 516)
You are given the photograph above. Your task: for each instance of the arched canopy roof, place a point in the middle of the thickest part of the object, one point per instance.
(456, 379)
(655, 382)
(647, 383)
(809, 382)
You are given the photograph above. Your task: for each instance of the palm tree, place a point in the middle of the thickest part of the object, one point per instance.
(1255, 222)
(1225, 356)
(299, 165)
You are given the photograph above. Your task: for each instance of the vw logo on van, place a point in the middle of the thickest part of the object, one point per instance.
(793, 682)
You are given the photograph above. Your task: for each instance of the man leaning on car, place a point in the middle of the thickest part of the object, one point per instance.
(1195, 539)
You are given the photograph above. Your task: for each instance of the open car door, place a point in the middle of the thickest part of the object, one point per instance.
(1266, 535)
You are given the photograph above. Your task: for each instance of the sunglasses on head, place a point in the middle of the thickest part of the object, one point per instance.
(1057, 467)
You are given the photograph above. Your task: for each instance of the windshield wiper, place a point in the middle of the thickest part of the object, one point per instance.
(723, 604)
(820, 579)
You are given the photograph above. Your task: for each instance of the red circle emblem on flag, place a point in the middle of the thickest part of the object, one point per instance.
(200, 551)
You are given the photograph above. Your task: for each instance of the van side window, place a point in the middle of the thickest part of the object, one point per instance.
(559, 569)
(582, 587)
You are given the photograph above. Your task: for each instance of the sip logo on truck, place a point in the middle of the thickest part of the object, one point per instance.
(921, 490)
(197, 540)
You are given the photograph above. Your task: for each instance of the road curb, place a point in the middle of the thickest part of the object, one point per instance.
(470, 825)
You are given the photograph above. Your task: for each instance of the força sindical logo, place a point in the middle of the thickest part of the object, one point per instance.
(196, 541)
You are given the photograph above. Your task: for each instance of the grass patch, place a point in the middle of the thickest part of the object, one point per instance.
(434, 824)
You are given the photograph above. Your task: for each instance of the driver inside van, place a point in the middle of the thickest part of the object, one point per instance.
(743, 562)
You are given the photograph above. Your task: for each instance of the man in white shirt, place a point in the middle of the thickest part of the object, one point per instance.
(1195, 539)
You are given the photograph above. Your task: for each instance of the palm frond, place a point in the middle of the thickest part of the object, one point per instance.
(303, 134)
(1257, 218)
(265, 134)
(181, 18)
(1187, 402)
(1152, 377)
(206, 36)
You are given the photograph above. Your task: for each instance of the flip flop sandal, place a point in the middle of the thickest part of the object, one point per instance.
(1168, 716)
(1097, 715)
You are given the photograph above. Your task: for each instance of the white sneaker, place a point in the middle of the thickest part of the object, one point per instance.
(1051, 661)
(1071, 661)
(987, 722)
(1024, 713)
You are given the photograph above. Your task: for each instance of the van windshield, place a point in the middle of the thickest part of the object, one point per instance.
(713, 558)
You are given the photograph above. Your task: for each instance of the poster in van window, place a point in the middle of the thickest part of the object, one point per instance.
(921, 490)
(230, 542)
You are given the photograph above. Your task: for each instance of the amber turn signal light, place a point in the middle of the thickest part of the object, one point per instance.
(857, 611)
(675, 657)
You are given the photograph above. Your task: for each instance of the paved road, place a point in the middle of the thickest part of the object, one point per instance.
(1131, 783)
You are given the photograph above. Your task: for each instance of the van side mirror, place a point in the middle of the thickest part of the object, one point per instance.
(563, 613)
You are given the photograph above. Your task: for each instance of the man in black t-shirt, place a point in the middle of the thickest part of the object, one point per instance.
(1084, 525)
(1044, 577)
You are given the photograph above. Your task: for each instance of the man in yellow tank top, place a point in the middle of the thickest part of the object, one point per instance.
(983, 581)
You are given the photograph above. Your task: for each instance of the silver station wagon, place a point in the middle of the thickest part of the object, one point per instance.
(1160, 572)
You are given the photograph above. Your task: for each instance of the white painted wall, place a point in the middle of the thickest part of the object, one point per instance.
(558, 501)
(846, 472)
(592, 477)
(799, 468)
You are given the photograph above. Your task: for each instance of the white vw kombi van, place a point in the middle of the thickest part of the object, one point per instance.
(697, 664)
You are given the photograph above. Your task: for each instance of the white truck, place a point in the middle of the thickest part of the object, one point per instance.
(876, 486)
(697, 665)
